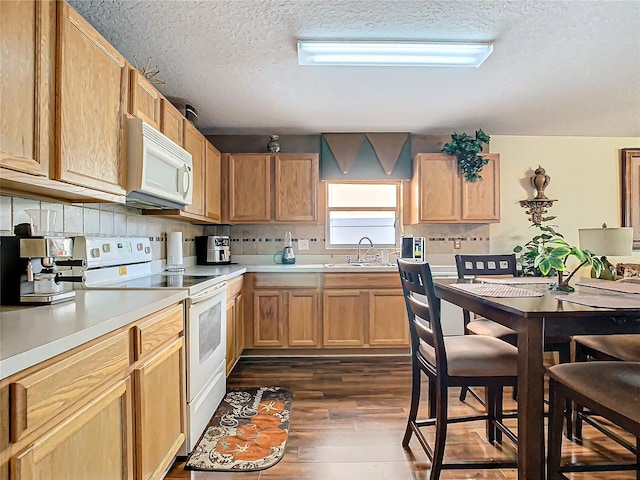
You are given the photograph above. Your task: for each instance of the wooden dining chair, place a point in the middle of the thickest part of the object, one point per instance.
(610, 389)
(458, 361)
(486, 265)
(620, 348)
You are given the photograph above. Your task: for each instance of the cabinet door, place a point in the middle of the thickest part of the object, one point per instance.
(27, 81)
(231, 333)
(144, 99)
(171, 121)
(249, 178)
(481, 200)
(194, 143)
(302, 318)
(435, 189)
(296, 188)
(388, 324)
(267, 324)
(213, 195)
(343, 318)
(94, 442)
(91, 78)
(239, 325)
(160, 392)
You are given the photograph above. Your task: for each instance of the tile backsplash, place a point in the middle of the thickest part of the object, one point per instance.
(106, 219)
(100, 219)
(269, 239)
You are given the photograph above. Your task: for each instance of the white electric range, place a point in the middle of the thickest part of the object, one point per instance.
(125, 263)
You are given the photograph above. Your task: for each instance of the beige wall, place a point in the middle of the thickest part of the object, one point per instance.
(585, 179)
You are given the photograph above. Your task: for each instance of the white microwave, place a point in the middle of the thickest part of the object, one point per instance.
(159, 171)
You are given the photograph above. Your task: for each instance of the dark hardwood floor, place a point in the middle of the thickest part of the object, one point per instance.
(349, 416)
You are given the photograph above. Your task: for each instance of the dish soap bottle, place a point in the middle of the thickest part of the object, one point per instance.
(288, 257)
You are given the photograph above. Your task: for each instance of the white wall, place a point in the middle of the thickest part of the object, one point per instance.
(585, 179)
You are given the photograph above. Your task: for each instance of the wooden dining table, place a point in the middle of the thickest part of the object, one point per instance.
(534, 318)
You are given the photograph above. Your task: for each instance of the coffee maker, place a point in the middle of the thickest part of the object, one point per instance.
(28, 266)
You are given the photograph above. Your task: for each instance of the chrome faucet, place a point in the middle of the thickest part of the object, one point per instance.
(358, 258)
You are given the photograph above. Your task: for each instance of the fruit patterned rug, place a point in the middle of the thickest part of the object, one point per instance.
(248, 432)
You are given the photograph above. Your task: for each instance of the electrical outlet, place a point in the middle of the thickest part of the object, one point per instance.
(457, 244)
(303, 244)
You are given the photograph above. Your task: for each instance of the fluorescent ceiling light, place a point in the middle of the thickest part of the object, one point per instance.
(388, 53)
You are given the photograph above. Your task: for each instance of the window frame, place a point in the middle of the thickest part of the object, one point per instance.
(397, 209)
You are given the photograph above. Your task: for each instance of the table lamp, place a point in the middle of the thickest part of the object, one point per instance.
(615, 242)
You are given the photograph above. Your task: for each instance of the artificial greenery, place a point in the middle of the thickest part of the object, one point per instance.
(548, 252)
(466, 149)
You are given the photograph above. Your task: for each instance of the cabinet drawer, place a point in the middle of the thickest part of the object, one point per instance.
(234, 287)
(287, 280)
(361, 280)
(157, 329)
(40, 396)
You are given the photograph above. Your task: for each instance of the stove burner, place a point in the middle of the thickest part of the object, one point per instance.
(164, 281)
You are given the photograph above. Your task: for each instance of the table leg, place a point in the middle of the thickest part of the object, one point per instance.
(530, 401)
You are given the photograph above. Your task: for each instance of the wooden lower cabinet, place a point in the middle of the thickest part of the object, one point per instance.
(364, 311)
(268, 319)
(388, 324)
(285, 310)
(343, 318)
(160, 410)
(302, 318)
(114, 408)
(235, 322)
(95, 442)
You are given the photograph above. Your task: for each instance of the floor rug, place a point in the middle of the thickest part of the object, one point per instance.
(248, 432)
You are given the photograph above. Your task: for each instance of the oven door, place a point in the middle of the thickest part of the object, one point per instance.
(206, 337)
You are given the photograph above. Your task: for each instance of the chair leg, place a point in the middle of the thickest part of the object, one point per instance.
(498, 413)
(490, 405)
(578, 409)
(554, 430)
(415, 401)
(441, 433)
(463, 393)
(564, 356)
(638, 458)
(433, 399)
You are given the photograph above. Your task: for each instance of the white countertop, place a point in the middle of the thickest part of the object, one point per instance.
(30, 335)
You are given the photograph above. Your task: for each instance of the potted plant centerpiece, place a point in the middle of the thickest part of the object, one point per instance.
(548, 253)
(466, 150)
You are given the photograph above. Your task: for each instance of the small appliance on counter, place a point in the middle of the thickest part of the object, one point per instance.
(413, 248)
(28, 268)
(213, 250)
(288, 257)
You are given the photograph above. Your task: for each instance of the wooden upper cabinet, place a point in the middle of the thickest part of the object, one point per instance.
(171, 121)
(481, 200)
(144, 99)
(249, 182)
(436, 188)
(91, 80)
(296, 187)
(294, 177)
(213, 186)
(27, 81)
(194, 143)
(440, 194)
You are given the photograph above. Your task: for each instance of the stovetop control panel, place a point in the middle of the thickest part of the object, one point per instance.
(111, 251)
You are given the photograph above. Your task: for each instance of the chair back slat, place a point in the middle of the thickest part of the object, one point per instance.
(474, 265)
(423, 309)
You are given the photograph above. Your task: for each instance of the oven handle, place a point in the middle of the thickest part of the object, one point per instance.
(208, 293)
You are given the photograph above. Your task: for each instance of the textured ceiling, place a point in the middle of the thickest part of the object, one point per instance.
(569, 68)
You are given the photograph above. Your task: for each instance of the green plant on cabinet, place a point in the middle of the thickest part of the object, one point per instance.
(466, 150)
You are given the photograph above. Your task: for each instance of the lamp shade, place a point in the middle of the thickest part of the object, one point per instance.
(615, 242)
